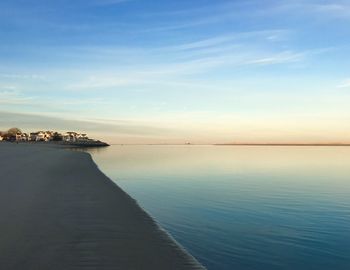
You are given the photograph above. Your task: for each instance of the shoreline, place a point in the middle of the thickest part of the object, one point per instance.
(283, 144)
(59, 211)
(82, 144)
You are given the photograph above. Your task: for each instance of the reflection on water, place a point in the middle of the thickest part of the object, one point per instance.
(241, 207)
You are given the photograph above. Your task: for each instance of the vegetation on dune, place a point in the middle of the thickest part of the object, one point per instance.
(13, 131)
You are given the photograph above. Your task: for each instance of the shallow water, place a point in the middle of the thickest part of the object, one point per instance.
(241, 207)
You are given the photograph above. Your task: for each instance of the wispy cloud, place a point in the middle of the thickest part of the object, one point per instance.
(280, 58)
(7, 87)
(37, 121)
(106, 81)
(117, 67)
(228, 38)
(228, 12)
(344, 84)
(22, 76)
(13, 97)
(109, 2)
(192, 59)
(205, 14)
(338, 9)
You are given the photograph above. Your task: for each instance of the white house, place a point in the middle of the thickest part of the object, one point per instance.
(48, 135)
(22, 137)
(43, 136)
(82, 137)
(37, 136)
(71, 136)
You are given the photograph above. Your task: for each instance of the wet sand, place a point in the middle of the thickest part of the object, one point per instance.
(59, 211)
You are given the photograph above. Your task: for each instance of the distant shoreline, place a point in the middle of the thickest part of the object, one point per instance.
(282, 144)
(83, 144)
(232, 144)
(103, 144)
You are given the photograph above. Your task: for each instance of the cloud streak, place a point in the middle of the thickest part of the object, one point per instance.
(40, 122)
(12, 97)
(22, 76)
(109, 2)
(344, 84)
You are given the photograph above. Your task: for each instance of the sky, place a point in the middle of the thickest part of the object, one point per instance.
(161, 71)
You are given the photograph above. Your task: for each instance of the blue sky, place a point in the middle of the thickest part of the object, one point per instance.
(174, 71)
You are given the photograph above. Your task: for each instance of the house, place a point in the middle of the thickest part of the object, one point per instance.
(45, 136)
(38, 136)
(34, 136)
(25, 137)
(82, 137)
(48, 136)
(22, 137)
(72, 136)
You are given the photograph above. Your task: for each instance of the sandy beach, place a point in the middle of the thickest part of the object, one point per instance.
(59, 211)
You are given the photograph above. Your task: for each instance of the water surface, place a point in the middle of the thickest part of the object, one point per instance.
(241, 207)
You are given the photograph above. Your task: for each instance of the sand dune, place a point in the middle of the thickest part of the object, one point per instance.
(59, 211)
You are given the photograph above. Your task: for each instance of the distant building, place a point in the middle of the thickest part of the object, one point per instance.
(36, 136)
(48, 135)
(82, 137)
(72, 136)
(22, 137)
(45, 136)
(41, 136)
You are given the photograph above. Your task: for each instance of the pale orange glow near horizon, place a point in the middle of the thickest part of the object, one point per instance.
(196, 130)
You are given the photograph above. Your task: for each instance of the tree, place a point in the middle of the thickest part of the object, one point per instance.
(57, 137)
(13, 131)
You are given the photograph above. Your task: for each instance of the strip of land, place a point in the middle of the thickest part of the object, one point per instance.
(283, 144)
(59, 211)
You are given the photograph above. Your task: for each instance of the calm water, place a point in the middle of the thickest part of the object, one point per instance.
(238, 207)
